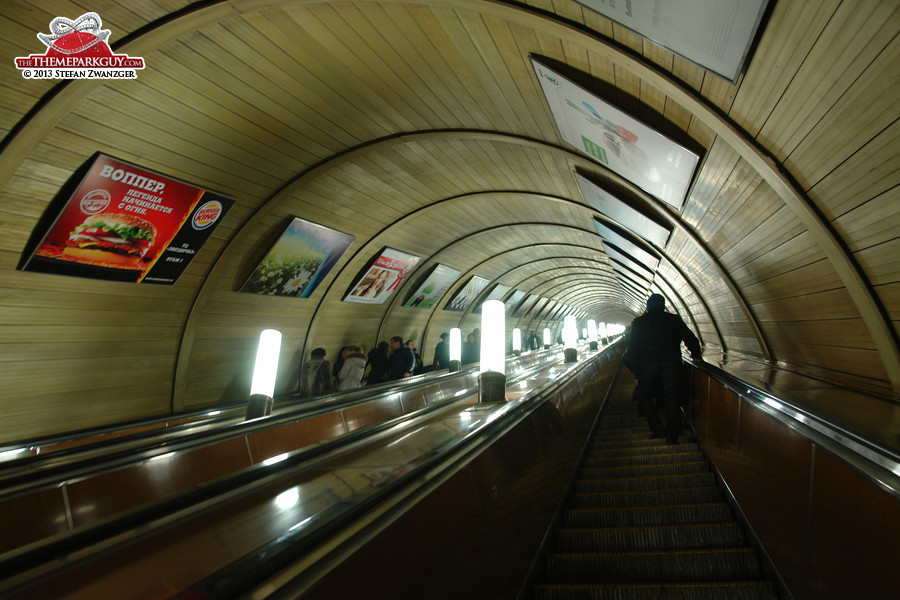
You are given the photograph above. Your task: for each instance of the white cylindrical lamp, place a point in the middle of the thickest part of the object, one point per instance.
(570, 338)
(455, 348)
(517, 341)
(546, 337)
(492, 376)
(265, 370)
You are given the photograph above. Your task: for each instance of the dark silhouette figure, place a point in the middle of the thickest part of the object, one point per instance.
(654, 356)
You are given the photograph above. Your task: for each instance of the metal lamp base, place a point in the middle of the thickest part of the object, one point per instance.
(491, 387)
(571, 355)
(259, 405)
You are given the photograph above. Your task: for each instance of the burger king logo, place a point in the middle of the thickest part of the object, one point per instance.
(95, 202)
(206, 215)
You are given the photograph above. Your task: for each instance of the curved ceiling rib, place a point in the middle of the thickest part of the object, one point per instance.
(61, 99)
(154, 35)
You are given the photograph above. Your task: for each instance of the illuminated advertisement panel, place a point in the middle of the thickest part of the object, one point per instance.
(497, 292)
(467, 293)
(125, 223)
(623, 214)
(382, 277)
(299, 260)
(618, 141)
(433, 287)
(715, 35)
(536, 309)
(525, 305)
(513, 300)
(620, 238)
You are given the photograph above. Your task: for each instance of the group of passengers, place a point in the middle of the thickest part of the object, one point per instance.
(388, 361)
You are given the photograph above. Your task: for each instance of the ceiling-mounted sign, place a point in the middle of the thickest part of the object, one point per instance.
(618, 141)
(382, 276)
(548, 308)
(622, 270)
(623, 214)
(125, 223)
(536, 309)
(620, 238)
(626, 259)
(715, 35)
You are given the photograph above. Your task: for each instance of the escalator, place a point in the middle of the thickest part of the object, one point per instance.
(288, 501)
(646, 520)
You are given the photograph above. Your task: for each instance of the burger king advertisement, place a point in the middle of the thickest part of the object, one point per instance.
(125, 223)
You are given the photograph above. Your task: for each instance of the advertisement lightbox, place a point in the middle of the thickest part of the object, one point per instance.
(467, 293)
(384, 275)
(126, 223)
(432, 287)
(299, 260)
(715, 35)
(618, 141)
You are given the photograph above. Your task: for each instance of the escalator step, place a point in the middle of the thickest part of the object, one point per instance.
(740, 590)
(698, 495)
(733, 564)
(638, 484)
(632, 460)
(648, 521)
(601, 453)
(648, 470)
(647, 516)
(641, 440)
(635, 539)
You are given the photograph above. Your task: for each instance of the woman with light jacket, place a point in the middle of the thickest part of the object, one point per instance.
(351, 373)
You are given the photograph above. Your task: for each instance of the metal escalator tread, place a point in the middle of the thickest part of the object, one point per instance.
(633, 484)
(648, 516)
(685, 495)
(648, 470)
(725, 590)
(663, 537)
(647, 520)
(720, 564)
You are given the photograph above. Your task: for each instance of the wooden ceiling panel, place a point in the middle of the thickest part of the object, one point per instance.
(844, 189)
(422, 126)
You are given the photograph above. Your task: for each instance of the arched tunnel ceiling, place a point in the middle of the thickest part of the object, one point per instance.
(420, 125)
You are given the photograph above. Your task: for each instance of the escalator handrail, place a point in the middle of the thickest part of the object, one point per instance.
(28, 478)
(879, 464)
(140, 522)
(79, 442)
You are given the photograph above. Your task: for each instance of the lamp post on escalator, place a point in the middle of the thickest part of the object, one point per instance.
(570, 339)
(492, 375)
(455, 349)
(262, 386)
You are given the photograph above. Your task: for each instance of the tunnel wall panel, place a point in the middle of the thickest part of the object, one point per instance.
(826, 528)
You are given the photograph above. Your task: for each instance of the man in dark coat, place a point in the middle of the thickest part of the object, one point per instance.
(442, 353)
(654, 355)
(402, 361)
(315, 375)
(378, 363)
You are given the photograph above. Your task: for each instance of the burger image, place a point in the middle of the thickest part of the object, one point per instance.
(111, 238)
